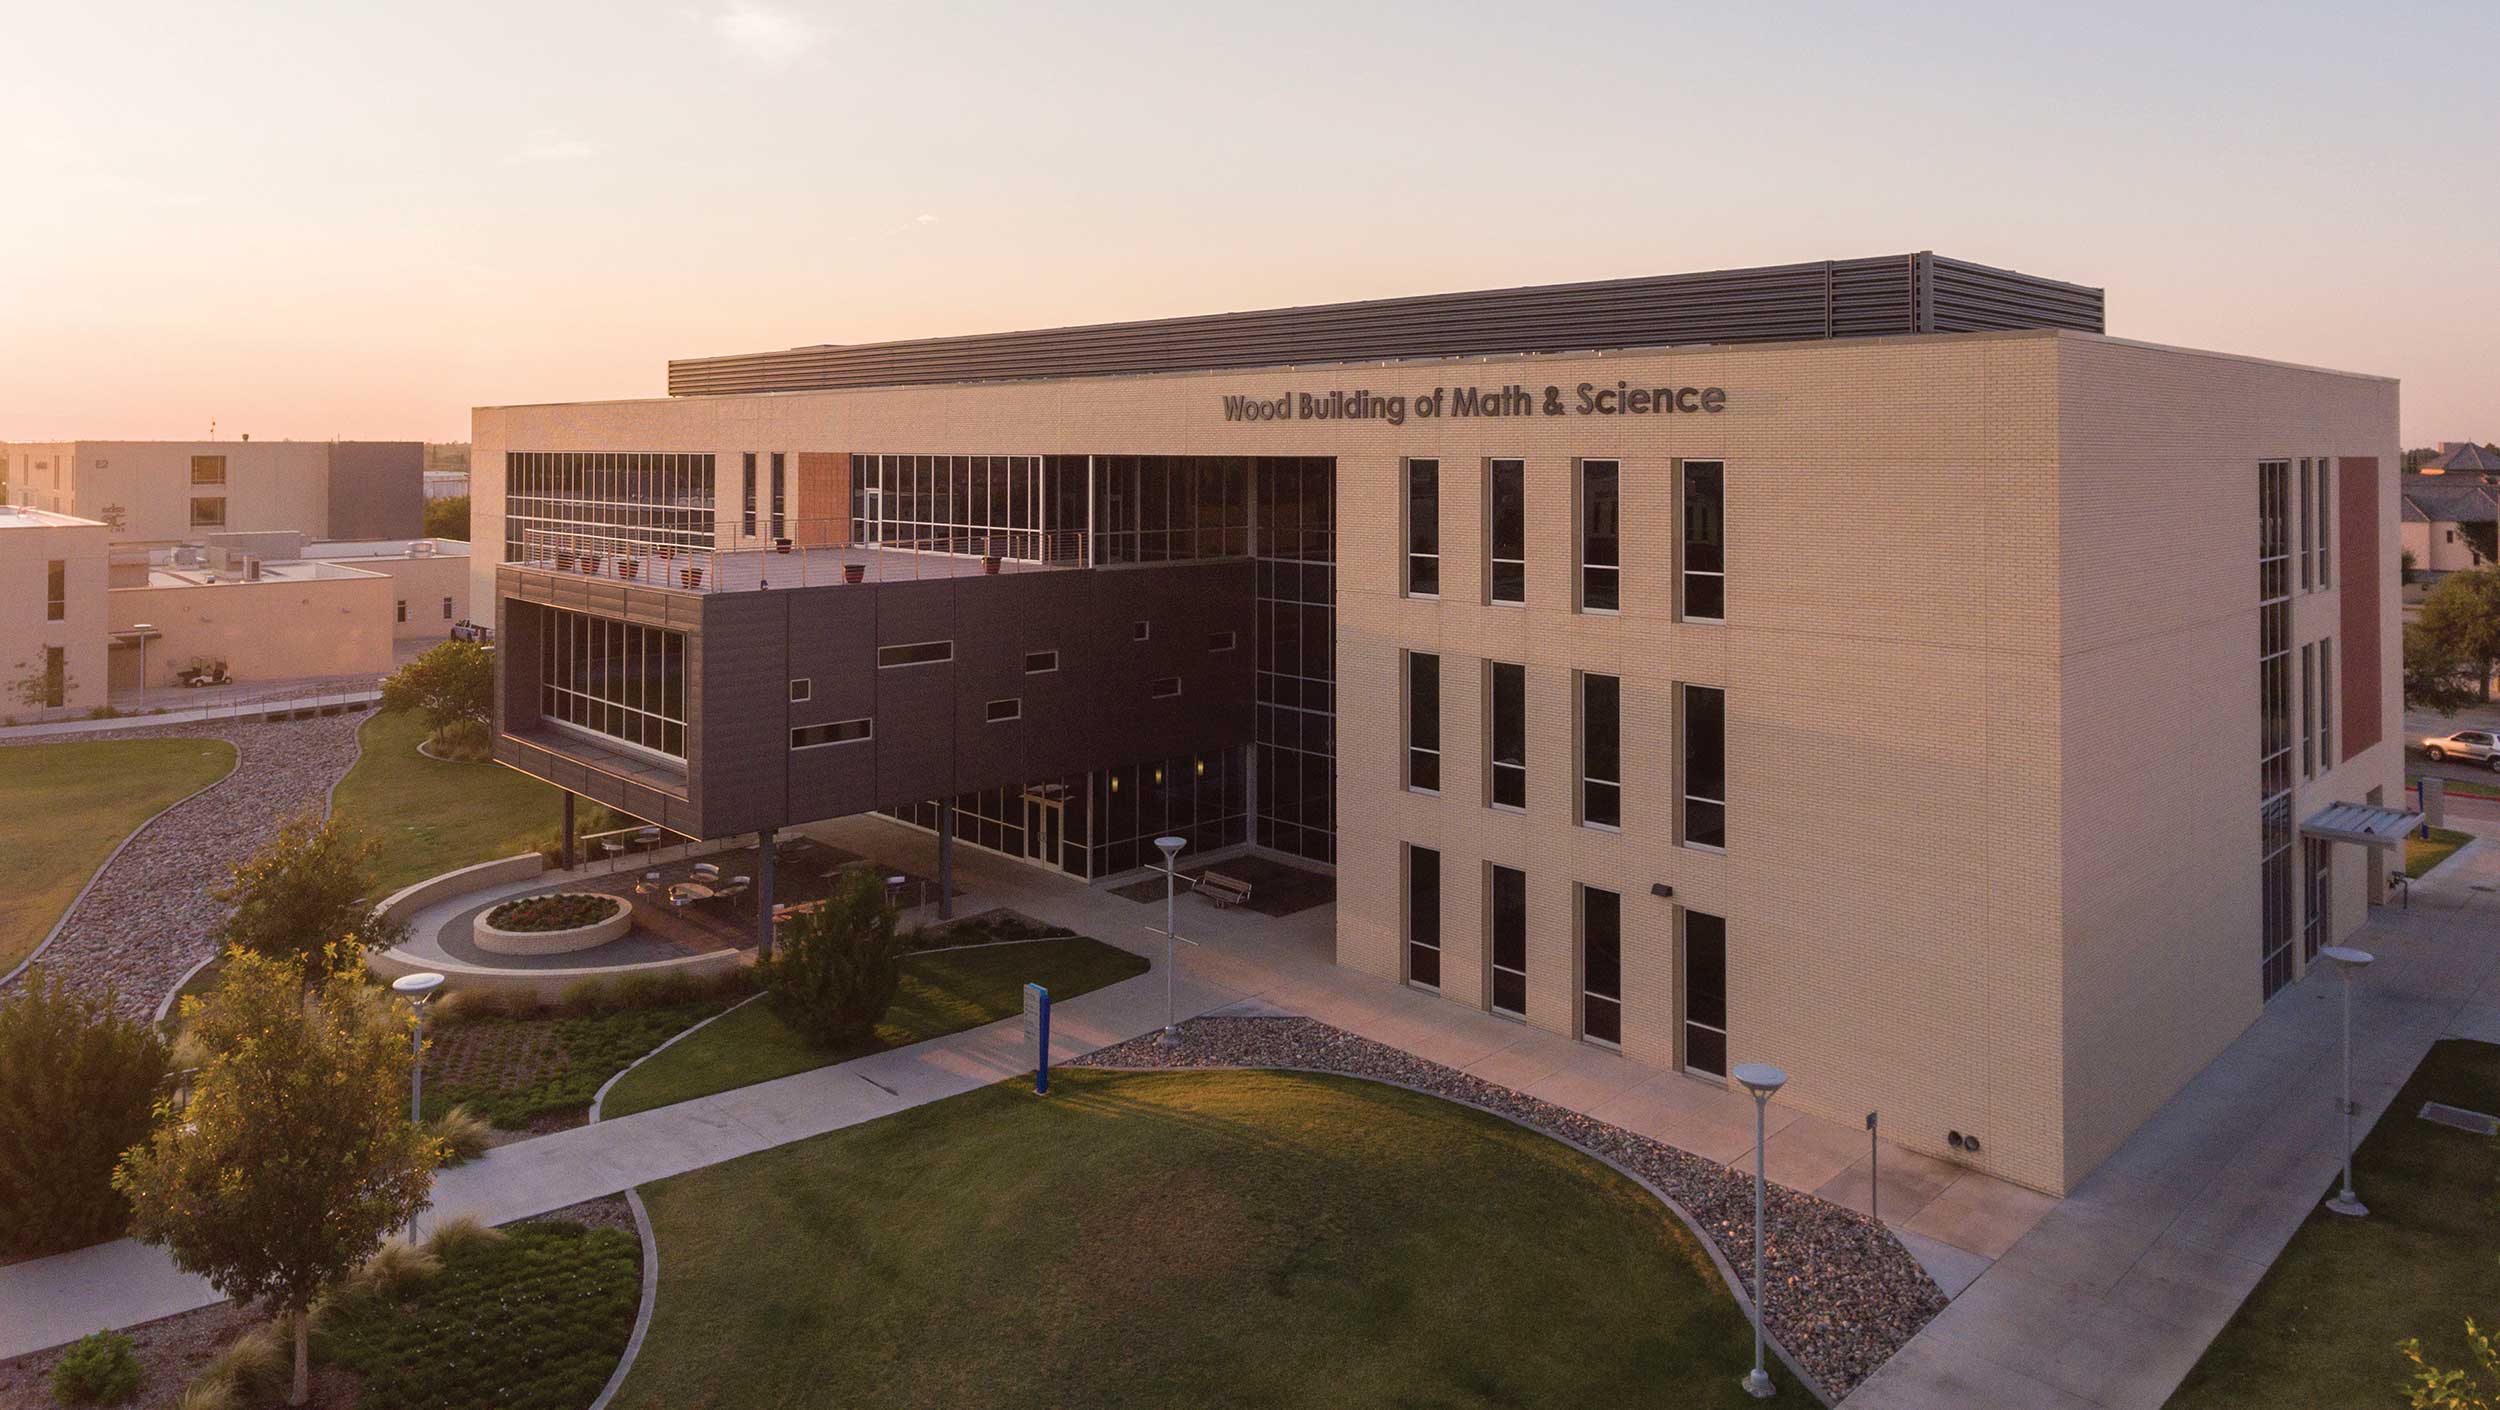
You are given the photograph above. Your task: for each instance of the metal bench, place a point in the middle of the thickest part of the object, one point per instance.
(1221, 889)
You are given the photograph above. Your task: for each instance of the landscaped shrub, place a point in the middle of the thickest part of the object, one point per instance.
(452, 682)
(463, 1134)
(78, 1086)
(835, 971)
(463, 741)
(206, 1394)
(101, 1369)
(513, 1071)
(302, 898)
(460, 1234)
(565, 910)
(252, 1369)
(532, 1321)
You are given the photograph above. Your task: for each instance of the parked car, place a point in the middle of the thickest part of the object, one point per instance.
(2472, 745)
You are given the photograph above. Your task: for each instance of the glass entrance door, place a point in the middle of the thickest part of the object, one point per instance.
(872, 513)
(1042, 821)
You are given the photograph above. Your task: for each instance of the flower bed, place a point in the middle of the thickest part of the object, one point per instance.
(554, 924)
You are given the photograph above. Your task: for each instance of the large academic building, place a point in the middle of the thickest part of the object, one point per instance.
(1868, 666)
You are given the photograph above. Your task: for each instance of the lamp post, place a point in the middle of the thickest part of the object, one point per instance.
(143, 630)
(1171, 849)
(2349, 961)
(417, 987)
(1761, 1079)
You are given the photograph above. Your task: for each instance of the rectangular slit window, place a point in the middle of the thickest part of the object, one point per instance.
(1704, 590)
(1423, 528)
(1506, 524)
(1507, 687)
(1223, 641)
(1142, 631)
(843, 732)
(1601, 750)
(1423, 722)
(1040, 662)
(1601, 966)
(1705, 994)
(1423, 916)
(802, 690)
(1601, 536)
(56, 590)
(919, 653)
(1705, 767)
(1164, 687)
(1507, 899)
(1000, 711)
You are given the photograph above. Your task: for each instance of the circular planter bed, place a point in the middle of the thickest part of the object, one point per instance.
(554, 924)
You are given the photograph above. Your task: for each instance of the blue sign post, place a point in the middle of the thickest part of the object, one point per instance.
(1037, 1032)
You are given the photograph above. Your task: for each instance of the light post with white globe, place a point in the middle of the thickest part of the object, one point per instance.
(1761, 1079)
(416, 988)
(2349, 961)
(1171, 848)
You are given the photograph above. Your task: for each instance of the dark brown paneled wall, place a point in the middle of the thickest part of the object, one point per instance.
(932, 736)
(2356, 547)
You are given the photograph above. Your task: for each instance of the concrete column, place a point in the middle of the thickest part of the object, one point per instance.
(568, 829)
(764, 894)
(946, 859)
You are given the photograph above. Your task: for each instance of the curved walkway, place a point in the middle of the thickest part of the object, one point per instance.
(147, 917)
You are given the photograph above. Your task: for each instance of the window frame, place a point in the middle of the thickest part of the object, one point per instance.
(1155, 690)
(1584, 569)
(205, 469)
(200, 501)
(802, 689)
(884, 652)
(1582, 892)
(867, 730)
(1015, 710)
(1410, 914)
(1220, 642)
(56, 590)
(1684, 829)
(1052, 656)
(1494, 767)
(1410, 553)
(1580, 734)
(1410, 719)
(1495, 875)
(1685, 572)
(1493, 558)
(1686, 1021)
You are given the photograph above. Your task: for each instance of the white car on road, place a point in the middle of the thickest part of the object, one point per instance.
(2470, 745)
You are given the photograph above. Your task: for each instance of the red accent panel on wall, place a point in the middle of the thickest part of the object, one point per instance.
(2357, 553)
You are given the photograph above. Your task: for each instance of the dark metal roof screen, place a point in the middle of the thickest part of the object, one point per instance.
(1920, 293)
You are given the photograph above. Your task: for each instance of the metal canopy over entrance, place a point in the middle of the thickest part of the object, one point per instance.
(2363, 823)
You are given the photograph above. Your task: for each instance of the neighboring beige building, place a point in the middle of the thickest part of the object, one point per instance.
(177, 491)
(2451, 521)
(52, 583)
(259, 621)
(429, 580)
(1886, 708)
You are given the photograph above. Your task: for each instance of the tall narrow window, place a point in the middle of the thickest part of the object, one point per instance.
(1423, 528)
(2274, 740)
(1601, 966)
(2326, 520)
(1423, 721)
(1601, 750)
(55, 675)
(1705, 994)
(2308, 710)
(747, 486)
(56, 590)
(1705, 766)
(2308, 528)
(1705, 541)
(1507, 900)
(1507, 685)
(1423, 916)
(2317, 886)
(1601, 536)
(2326, 704)
(780, 498)
(1506, 528)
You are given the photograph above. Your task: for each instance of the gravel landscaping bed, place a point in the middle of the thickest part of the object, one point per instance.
(1845, 1295)
(148, 917)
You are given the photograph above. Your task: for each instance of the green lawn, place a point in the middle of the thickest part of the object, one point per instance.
(1181, 1239)
(432, 817)
(944, 992)
(2421, 854)
(65, 807)
(2323, 1327)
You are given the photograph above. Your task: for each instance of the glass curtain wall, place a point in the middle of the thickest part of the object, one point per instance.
(975, 505)
(1106, 822)
(1163, 508)
(1296, 616)
(625, 499)
(618, 679)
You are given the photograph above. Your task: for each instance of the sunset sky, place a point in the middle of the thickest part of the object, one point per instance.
(362, 219)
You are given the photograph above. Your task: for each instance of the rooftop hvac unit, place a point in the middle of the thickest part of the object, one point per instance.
(189, 556)
(251, 569)
(422, 548)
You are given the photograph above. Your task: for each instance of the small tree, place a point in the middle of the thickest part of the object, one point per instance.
(2434, 678)
(294, 1158)
(2433, 1388)
(447, 518)
(78, 1084)
(835, 970)
(452, 682)
(303, 894)
(41, 687)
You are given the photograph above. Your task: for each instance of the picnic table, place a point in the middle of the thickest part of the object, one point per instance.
(686, 893)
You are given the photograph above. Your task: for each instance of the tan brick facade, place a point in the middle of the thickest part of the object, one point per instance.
(1990, 661)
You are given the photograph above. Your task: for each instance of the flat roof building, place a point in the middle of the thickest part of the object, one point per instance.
(176, 491)
(1870, 667)
(52, 578)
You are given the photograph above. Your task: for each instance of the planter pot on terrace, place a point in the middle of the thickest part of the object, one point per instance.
(496, 941)
(628, 568)
(781, 545)
(854, 572)
(690, 577)
(990, 564)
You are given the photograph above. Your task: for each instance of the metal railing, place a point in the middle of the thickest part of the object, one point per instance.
(813, 553)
